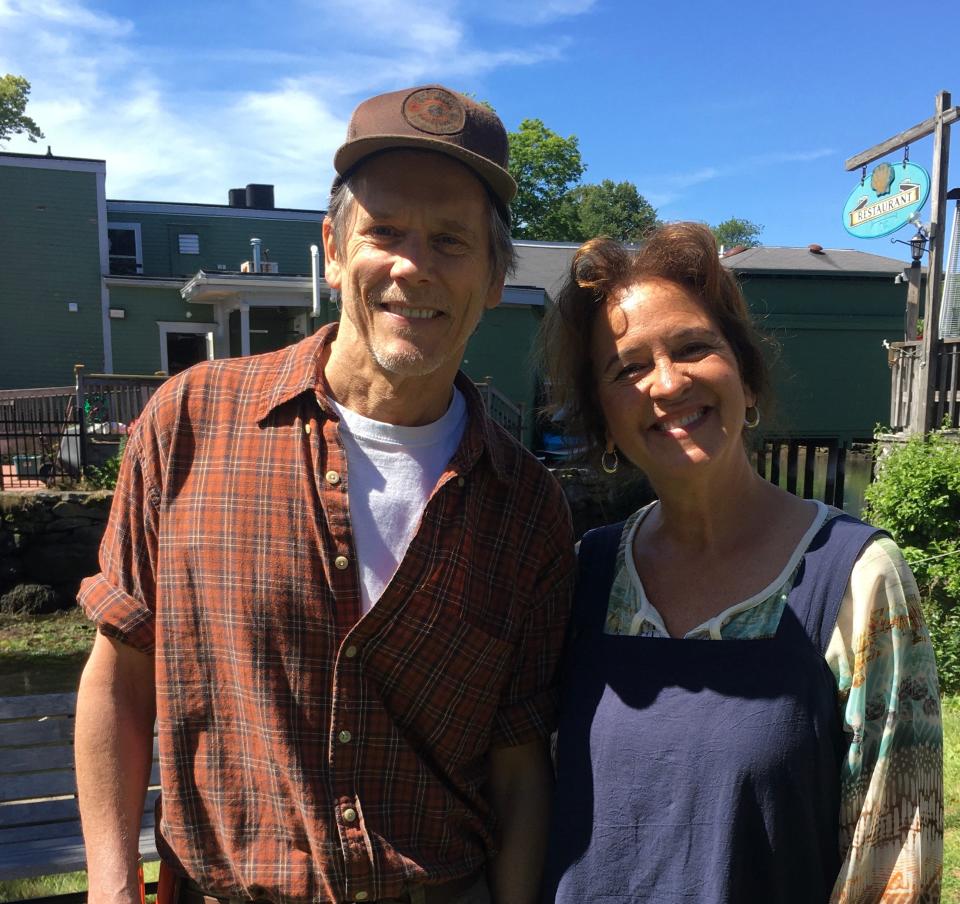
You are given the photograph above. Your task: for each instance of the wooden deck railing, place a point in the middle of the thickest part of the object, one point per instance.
(501, 409)
(905, 360)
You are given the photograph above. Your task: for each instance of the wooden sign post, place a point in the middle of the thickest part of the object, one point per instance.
(939, 126)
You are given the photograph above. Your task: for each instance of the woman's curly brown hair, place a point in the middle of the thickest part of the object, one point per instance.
(683, 253)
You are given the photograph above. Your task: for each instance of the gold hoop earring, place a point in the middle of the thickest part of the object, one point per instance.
(751, 423)
(609, 469)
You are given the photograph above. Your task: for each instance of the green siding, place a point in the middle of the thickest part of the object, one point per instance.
(136, 338)
(48, 220)
(832, 377)
(502, 348)
(224, 242)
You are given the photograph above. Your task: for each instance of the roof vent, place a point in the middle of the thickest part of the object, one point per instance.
(237, 197)
(260, 197)
(815, 249)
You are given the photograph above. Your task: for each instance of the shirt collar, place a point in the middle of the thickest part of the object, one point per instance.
(300, 370)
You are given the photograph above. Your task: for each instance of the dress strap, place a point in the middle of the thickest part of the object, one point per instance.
(823, 576)
(596, 564)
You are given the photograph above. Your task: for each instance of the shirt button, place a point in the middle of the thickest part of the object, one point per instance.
(306, 428)
(349, 814)
(333, 477)
(345, 737)
(350, 651)
(361, 896)
(341, 562)
(461, 482)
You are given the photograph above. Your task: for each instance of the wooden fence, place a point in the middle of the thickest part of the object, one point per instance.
(905, 360)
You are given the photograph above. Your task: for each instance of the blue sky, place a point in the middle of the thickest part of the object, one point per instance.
(713, 110)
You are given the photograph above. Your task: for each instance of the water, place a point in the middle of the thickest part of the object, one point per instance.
(859, 465)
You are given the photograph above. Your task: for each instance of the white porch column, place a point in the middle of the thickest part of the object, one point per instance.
(221, 338)
(245, 330)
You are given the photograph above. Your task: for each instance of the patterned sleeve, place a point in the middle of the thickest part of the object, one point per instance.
(120, 599)
(891, 809)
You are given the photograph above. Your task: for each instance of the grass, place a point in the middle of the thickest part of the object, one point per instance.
(66, 883)
(951, 791)
(45, 654)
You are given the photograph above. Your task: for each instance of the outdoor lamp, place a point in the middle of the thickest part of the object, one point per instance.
(918, 245)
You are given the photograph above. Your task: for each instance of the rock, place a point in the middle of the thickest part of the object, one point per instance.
(30, 599)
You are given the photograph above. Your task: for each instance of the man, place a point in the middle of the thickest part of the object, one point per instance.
(340, 588)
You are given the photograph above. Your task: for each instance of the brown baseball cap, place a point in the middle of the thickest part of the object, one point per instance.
(433, 118)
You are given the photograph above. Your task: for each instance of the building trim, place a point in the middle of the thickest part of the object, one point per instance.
(106, 324)
(68, 164)
(143, 282)
(523, 295)
(213, 210)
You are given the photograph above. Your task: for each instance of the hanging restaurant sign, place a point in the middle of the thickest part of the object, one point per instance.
(885, 202)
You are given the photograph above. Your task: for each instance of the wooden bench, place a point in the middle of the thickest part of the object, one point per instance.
(39, 819)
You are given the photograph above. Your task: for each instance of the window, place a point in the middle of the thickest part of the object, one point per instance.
(188, 243)
(126, 251)
(184, 344)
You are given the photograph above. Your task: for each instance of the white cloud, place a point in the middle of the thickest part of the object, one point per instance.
(534, 12)
(99, 91)
(663, 190)
(67, 14)
(778, 157)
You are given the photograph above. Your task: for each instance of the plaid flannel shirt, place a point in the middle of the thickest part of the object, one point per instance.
(307, 753)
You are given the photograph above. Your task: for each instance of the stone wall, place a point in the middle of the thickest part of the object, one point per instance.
(49, 540)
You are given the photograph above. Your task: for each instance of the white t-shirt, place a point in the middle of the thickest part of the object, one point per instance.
(392, 472)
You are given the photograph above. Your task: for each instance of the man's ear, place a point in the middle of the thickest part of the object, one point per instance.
(332, 271)
(495, 292)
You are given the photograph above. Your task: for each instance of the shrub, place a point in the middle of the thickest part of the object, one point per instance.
(916, 497)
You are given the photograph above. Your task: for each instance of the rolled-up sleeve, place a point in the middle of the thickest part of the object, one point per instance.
(120, 600)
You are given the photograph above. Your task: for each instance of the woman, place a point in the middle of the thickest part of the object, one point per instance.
(750, 707)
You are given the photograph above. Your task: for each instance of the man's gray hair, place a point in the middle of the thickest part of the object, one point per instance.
(503, 256)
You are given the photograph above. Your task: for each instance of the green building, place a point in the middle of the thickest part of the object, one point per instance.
(125, 286)
(829, 312)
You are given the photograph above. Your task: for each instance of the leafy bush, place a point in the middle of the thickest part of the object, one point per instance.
(916, 497)
(105, 477)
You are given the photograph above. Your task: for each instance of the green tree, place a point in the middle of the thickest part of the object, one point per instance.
(546, 166)
(736, 231)
(14, 92)
(611, 208)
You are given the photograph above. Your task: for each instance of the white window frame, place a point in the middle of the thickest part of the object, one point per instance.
(186, 326)
(135, 228)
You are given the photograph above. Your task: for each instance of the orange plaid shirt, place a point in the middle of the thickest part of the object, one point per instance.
(307, 753)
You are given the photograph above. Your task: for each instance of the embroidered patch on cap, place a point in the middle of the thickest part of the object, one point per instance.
(434, 110)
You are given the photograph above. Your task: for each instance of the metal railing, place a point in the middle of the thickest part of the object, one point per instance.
(33, 423)
(905, 359)
(52, 434)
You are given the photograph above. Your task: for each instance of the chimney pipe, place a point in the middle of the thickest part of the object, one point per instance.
(255, 244)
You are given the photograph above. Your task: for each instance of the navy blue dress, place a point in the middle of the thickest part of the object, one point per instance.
(698, 770)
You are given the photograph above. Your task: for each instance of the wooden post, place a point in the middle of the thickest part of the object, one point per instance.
(913, 301)
(926, 385)
(921, 414)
